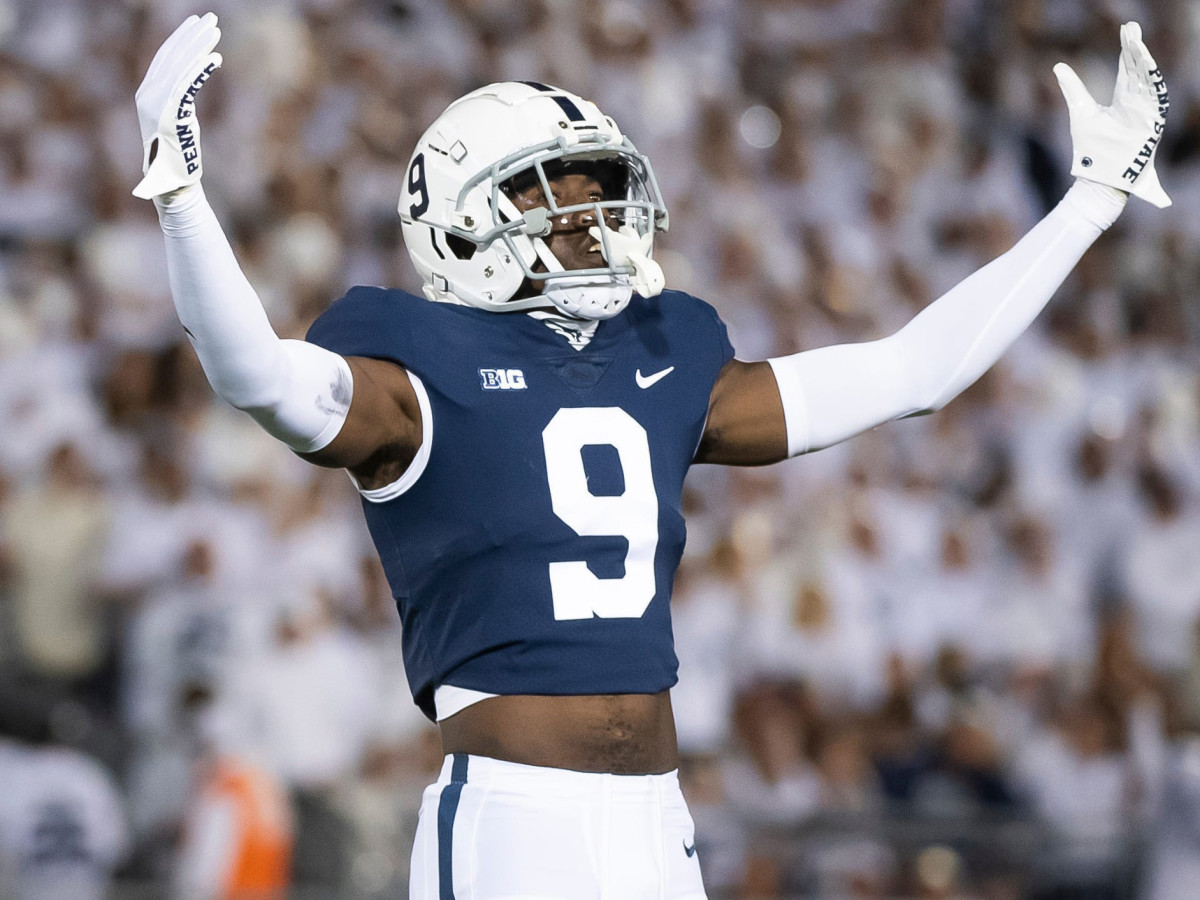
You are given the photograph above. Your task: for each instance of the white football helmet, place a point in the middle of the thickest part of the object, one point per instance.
(467, 238)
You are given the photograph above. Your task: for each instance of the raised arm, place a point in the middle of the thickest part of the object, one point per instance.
(762, 412)
(358, 413)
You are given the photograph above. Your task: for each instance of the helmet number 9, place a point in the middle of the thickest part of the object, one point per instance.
(416, 186)
(578, 593)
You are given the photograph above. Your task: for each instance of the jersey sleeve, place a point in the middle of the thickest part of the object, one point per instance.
(710, 323)
(725, 350)
(367, 322)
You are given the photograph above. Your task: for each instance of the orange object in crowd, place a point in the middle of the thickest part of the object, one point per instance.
(259, 865)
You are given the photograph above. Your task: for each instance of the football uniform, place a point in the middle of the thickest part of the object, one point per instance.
(531, 547)
(532, 543)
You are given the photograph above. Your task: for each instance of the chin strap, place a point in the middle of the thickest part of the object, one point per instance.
(590, 296)
(549, 260)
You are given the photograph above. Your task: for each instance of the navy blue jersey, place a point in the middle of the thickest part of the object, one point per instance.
(534, 552)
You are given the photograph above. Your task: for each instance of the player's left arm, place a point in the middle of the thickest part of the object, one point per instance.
(765, 411)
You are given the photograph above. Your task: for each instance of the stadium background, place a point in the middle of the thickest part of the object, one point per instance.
(957, 656)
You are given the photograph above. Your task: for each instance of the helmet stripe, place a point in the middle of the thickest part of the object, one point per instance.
(568, 107)
(564, 103)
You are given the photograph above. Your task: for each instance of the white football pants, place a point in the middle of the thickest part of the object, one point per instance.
(492, 830)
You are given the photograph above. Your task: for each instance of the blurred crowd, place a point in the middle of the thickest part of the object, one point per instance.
(958, 656)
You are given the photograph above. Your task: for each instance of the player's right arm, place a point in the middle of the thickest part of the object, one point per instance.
(356, 413)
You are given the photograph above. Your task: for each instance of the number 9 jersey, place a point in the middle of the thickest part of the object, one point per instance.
(532, 543)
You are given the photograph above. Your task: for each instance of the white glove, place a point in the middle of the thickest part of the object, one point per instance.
(166, 105)
(628, 248)
(1115, 145)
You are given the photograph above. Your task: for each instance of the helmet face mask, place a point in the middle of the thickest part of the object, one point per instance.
(466, 236)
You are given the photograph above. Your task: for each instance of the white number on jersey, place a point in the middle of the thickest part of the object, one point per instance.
(577, 593)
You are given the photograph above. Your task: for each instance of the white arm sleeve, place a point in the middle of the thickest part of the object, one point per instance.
(833, 393)
(299, 392)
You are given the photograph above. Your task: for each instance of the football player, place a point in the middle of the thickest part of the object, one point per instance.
(520, 435)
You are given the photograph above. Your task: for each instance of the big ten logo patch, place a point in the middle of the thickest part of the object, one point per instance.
(502, 379)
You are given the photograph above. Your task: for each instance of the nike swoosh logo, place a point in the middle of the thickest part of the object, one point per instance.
(645, 381)
(690, 851)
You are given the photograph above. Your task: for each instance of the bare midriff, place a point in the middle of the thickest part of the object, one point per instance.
(623, 734)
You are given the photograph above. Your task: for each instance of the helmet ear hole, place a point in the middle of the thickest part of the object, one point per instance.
(460, 246)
